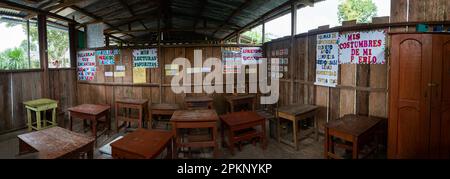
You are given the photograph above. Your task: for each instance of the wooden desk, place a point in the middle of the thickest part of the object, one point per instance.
(139, 104)
(142, 144)
(296, 113)
(241, 121)
(195, 119)
(162, 110)
(198, 102)
(352, 128)
(249, 100)
(38, 106)
(90, 112)
(56, 142)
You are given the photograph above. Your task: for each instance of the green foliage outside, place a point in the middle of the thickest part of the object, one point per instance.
(17, 57)
(360, 10)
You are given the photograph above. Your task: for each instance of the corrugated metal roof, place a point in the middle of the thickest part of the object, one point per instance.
(178, 15)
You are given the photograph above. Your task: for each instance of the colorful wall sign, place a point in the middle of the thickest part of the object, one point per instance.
(362, 47)
(251, 55)
(106, 57)
(232, 60)
(145, 58)
(86, 65)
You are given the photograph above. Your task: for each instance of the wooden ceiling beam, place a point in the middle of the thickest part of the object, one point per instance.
(33, 10)
(200, 12)
(274, 11)
(130, 10)
(62, 4)
(164, 30)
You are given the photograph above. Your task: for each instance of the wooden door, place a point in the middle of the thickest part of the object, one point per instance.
(440, 98)
(409, 114)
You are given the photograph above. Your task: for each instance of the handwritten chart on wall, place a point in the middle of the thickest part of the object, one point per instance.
(327, 59)
(86, 65)
(251, 55)
(232, 60)
(362, 47)
(106, 57)
(145, 58)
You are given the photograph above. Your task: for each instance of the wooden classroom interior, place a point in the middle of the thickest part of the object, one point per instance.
(116, 100)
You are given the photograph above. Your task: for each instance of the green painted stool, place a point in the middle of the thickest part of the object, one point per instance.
(38, 106)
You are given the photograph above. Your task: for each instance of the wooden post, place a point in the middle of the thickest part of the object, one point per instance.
(28, 43)
(263, 32)
(291, 51)
(159, 57)
(107, 40)
(73, 41)
(43, 54)
(238, 38)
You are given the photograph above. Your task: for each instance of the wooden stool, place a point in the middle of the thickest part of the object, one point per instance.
(248, 100)
(38, 106)
(162, 110)
(241, 127)
(128, 104)
(295, 113)
(198, 102)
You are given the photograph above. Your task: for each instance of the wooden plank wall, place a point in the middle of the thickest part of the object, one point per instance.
(106, 90)
(18, 87)
(362, 89)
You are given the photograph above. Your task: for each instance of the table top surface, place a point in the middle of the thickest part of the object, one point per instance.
(198, 99)
(55, 142)
(354, 124)
(239, 118)
(132, 101)
(297, 109)
(91, 109)
(39, 102)
(240, 97)
(146, 143)
(201, 115)
(165, 106)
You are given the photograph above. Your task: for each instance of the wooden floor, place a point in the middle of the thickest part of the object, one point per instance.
(308, 149)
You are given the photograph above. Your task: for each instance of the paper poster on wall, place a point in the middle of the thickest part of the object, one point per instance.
(109, 74)
(327, 59)
(139, 75)
(86, 65)
(120, 68)
(362, 47)
(106, 57)
(119, 74)
(194, 70)
(251, 55)
(145, 58)
(232, 60)
(171, 69)
(95, 35)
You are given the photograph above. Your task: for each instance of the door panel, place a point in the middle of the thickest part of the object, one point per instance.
(409, 96)
(440, 107)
